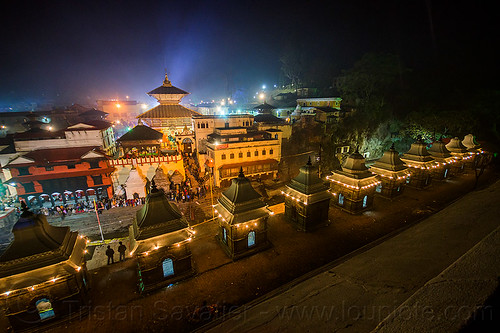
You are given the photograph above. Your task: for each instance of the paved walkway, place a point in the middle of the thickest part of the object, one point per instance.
(358, 293)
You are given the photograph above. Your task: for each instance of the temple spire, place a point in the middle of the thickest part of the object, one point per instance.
(166, 81)
(241, 173)
(309, 161)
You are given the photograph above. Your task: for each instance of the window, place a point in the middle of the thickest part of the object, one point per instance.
(168, 267)
(23, 171)
(97, 179)
(271, 151)
(94, 164)
(226, 125)
(44, 308)
(28, 187)
(240, 155)
(223, 156)
(231, 156)
(198, 125)
(71, 166)
(49, 168)
(275, 136)
(224, 235)
(378, 189)
(248, 154)
(445, 173)
(399, 188)
(247, 123)
(263, 152)
(408, 180)
(341, 199)
(365, 201)
(251, 239)
(206, 125)
(256, 153)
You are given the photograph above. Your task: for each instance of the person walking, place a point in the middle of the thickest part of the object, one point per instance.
(121, 249)
(110, 252)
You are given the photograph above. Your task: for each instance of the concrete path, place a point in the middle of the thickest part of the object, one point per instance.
(359, 293)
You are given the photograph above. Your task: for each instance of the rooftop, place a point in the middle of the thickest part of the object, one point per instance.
(168, 111)
(141, 132)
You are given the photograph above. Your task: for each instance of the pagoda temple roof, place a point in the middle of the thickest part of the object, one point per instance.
(455, 146)
(390, 164)
(308, 181)
(38, 244)
(418, 153)
(470, 143)
(141, 133)
(93, 112)
(158, 216)
(354, 172)
(168, 111)
(439, 151)
(264, 106)
(307, 187)
(241, 202)
(57, 155)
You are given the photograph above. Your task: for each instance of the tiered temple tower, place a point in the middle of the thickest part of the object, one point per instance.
(242, 218)
(307, 199)
(392, 172)
(353, 186)
(159, 238)
(420, 163)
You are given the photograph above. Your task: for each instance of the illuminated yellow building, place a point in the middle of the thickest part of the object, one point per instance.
(257, 152)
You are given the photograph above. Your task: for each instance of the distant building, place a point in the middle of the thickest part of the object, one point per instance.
(307, 199)
(266, 122)
(326, 110)
(204, 125)
(257, 152)
(169, 117)
(43, 276)
(159, 238)
(242, 218)
(120, 110)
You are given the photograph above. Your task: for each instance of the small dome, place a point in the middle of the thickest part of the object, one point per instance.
(455, 146)
(390, 161)
(355, 163)
(438, 149)
(469, 142)
(418, 152)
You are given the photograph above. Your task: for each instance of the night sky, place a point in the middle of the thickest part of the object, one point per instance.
(79, 51)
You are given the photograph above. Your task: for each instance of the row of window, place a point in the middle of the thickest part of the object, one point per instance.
(226, 125)
(249, 154)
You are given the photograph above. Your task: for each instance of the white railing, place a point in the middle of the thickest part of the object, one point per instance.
(146, 160)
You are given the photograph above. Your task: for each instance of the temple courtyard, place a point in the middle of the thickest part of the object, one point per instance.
(221, 285)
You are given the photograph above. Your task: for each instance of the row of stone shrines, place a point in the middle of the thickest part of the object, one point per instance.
(43, 275)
